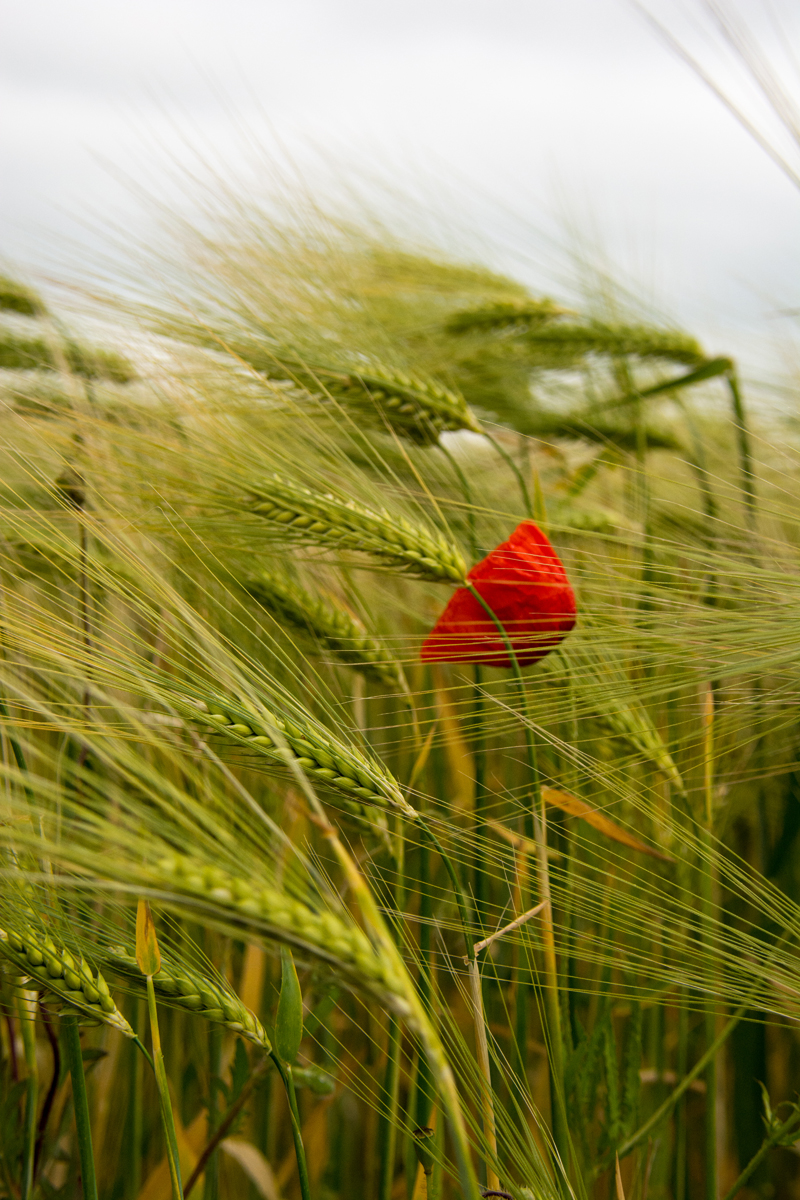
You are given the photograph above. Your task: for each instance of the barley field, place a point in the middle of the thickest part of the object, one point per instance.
(399, 678)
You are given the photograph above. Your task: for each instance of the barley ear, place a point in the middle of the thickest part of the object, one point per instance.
(333, 626)
(513, 314)
(354, 779)
(298, 514)
(186, 988)
(413, 406)
(68, 984)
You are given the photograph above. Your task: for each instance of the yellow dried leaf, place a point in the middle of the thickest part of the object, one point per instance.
(598, 820)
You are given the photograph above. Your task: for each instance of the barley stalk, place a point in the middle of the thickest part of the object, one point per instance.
(328, 521)
(334, 626)
(186, 988)
(69, 983)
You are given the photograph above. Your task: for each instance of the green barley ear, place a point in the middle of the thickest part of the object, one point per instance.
(590, 426)
(604, 691)
(331, 624)
(359, 780)
(68, 984)
(413, 406)
(193, 991)
(514, 314)
(324, 934)
(298, 514)
(559, 345)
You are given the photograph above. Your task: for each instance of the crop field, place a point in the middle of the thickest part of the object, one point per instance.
(399, 739)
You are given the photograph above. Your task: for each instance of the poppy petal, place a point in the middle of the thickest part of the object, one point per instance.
(524, 583)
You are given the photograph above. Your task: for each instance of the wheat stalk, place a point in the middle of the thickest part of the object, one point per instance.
(70, 985)
(333, 625)
(186, 988)
(329, 521)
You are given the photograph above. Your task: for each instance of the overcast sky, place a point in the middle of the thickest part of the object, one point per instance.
(511, 112)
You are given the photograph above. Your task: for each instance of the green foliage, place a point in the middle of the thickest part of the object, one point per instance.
(37, 353)
(16, 297)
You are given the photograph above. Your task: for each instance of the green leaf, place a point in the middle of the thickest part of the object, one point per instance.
(319, 1015)
(315, 1079)
(240, 1069)
(289, 1020)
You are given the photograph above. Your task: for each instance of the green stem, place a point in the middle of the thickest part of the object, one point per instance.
(285, 1073)
(699, 465)
(480, 878)
(449, 866)
(425, 919)
(388, 1119)
(211, 1188)
(80, 1104)
(28, 1030)
(509, 459)
(552, 996)
(743, 443)
(755, 1162)
(663, 1111)
(710, 369)
(710, 1014)
(224, 1125)
(135, 1109)
(420, 1096)
(680, 1102)
(163, 1094)
(391, 1083)
(479, 749)
(435, 1180)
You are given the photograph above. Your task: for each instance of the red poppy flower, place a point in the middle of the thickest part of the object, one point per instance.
(524, 583)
